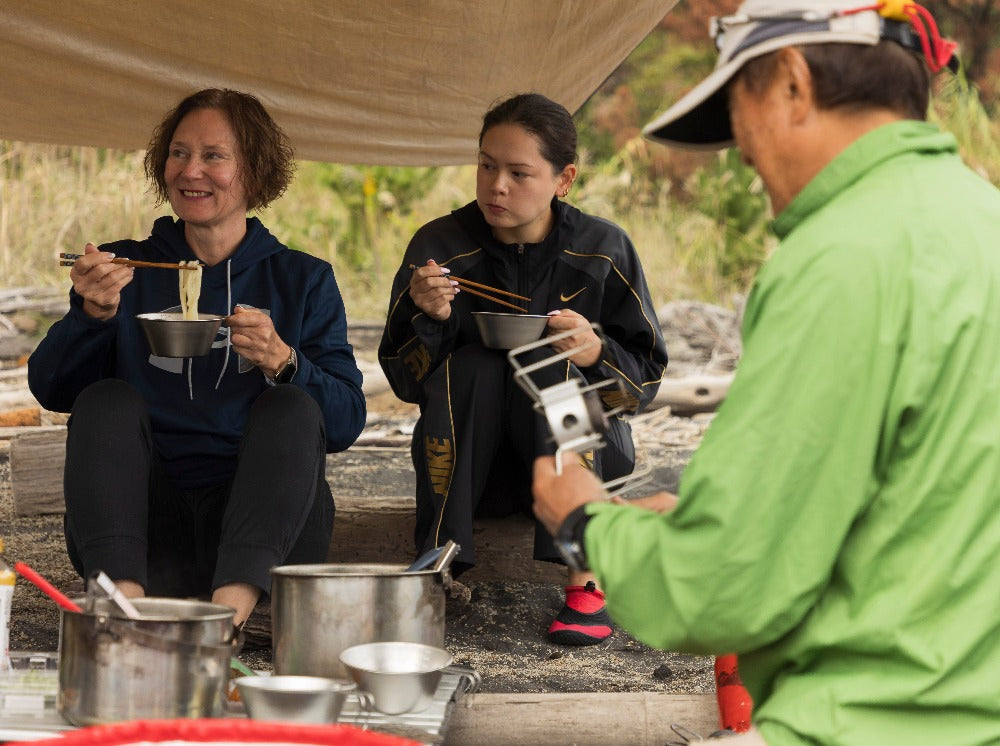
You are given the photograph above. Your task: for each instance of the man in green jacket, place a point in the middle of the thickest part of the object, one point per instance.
(839, 526)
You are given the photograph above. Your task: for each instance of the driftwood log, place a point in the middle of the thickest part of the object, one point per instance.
(373, 493)
(690, 394)
(585, 719)
(36, 467)
(50, 301)
(26, 416)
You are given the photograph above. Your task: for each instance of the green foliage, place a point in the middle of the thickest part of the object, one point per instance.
(730, 193)
(356, 217)
(654, 75)
(374, 197)
(957, 108)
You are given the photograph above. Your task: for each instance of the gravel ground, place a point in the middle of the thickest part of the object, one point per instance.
(500, 633)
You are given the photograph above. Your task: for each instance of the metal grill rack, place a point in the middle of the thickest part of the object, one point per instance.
(28, 703)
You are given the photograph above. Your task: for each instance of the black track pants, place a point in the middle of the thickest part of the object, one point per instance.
(125, 517)
(473, 449)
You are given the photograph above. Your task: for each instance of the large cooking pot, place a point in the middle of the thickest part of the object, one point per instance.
(317, 611)
(171, 663)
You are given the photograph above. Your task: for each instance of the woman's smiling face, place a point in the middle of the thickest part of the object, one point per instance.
(515, 184)
(203, 171)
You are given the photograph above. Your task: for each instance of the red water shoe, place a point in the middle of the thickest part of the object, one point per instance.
(584, 619)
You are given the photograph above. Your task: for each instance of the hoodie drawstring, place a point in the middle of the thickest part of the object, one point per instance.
(225, 361)
(229, 305)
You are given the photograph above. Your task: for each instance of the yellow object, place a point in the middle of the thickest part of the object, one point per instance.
(894, 10)
(7, 581)
(7, 574)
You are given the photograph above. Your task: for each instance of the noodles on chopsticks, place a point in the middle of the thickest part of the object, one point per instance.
(190, 288)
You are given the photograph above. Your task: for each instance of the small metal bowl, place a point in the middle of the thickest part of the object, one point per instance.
(505, 331)
(299, 699)
(401, 676)
(171, 335)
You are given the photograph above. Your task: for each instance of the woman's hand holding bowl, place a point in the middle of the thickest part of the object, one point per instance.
(253, 336)
(583, 336)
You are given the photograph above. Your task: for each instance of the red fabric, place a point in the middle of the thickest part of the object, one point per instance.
(585, 601)
(937, 51)
(735, 703)
(223, 730)
(587, 629)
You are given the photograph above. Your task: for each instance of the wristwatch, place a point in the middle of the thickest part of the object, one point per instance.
(286, 372)
(569, 539)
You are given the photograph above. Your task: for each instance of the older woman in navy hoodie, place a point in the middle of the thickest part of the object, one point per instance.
(193, 477)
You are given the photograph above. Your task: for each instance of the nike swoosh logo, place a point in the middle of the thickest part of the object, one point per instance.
(563, 297)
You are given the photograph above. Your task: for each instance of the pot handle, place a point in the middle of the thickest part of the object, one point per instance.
(443, 564)
(366, 704)
(468, 681)
(448, 553)
(152, 640)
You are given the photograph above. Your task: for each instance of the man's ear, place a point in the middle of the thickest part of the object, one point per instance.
(797, 83)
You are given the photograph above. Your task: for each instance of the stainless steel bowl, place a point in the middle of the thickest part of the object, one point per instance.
(401, 676)
(171, 335)
(505, 331)
(300, 699)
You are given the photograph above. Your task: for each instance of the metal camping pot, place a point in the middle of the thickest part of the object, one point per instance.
(317, 611)
(173, 662)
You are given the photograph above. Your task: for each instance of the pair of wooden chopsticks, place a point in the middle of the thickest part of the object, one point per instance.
(66, 260)
(469, 286)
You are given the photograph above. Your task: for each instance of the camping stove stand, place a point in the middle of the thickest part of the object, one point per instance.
(573, 408)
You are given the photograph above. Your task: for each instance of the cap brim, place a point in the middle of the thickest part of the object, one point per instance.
(700, 119)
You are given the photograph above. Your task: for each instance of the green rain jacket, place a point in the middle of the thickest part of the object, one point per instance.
(839, 526)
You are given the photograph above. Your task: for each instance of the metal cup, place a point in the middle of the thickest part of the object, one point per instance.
(401, 676)
(300, 699)
(171, 335)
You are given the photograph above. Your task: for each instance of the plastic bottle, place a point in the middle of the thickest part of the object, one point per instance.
(7, 580)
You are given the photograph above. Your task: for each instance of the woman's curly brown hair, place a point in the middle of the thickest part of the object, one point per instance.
(266, 157)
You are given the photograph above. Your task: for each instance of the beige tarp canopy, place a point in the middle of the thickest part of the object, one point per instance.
(395, 82)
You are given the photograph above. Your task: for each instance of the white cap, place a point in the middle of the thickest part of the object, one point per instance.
(700, 120)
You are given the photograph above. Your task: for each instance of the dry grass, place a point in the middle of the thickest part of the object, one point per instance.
(55, 199)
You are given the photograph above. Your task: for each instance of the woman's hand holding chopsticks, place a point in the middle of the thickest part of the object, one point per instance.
(433, 289)
(99, 282)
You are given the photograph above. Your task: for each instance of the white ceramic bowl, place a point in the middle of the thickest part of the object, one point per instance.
(299, 699)
(401, 676)
(171, 335)
(505, 331)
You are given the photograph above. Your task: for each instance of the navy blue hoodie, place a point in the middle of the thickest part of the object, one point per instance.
(198, 406)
